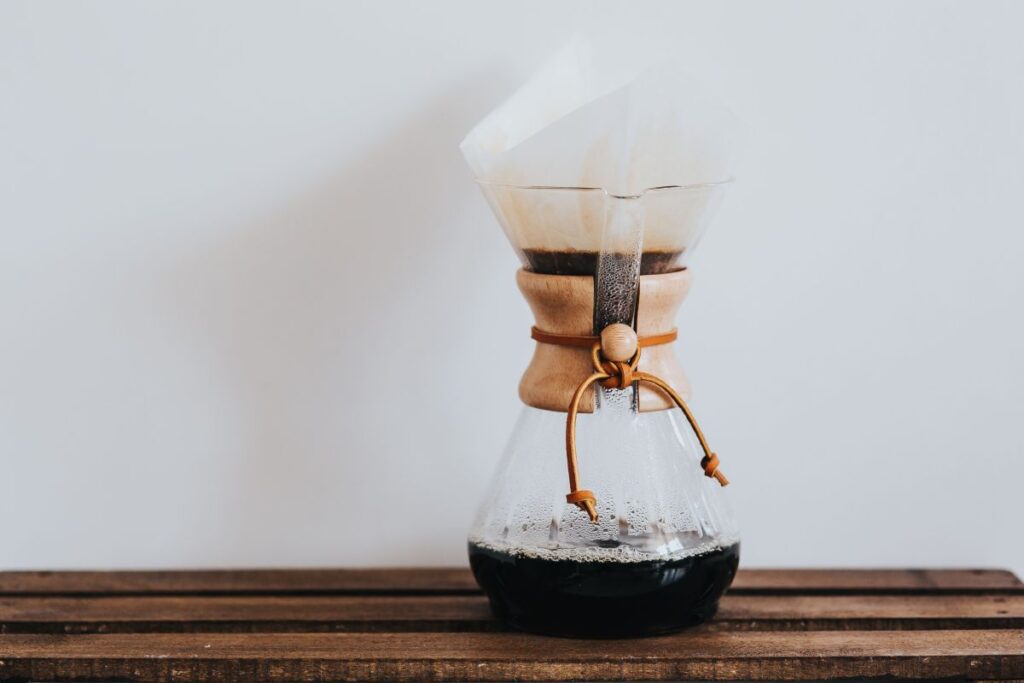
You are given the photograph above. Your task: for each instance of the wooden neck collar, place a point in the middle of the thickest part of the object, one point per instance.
(563, 305)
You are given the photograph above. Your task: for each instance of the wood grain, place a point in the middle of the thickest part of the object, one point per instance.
(564, 304)
(985, 654)
(242, 581)
(432, 624)
(875, 581)
(412, 581)
(243, 614)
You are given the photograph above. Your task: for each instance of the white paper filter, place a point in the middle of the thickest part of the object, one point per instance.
(583, 123)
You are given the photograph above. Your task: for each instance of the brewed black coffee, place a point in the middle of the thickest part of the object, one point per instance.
(603, 599)
(572, 262)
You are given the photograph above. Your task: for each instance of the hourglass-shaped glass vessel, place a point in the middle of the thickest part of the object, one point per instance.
(606, 516)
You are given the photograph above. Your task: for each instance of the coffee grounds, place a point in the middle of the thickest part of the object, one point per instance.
(572, 262)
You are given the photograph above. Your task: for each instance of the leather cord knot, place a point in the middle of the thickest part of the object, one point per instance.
(584, 500)
(710, 465)
(621, 375)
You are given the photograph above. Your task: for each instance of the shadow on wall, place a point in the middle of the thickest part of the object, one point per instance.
(313, 316)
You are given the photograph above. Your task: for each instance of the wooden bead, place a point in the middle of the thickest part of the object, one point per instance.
(618, 342)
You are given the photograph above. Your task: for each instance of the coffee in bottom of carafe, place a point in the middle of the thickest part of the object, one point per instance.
(605, 598)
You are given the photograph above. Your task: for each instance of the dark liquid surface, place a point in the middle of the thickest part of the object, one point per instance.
(572, 262)
(603, 599)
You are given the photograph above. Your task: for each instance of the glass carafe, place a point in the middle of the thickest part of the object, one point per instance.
(606, 516)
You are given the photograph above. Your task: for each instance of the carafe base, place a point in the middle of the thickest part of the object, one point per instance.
(594, 599)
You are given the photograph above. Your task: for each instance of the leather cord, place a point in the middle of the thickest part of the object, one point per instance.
(587, 341)
(618, 375)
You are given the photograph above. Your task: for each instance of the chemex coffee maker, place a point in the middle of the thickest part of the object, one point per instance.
(606, 516)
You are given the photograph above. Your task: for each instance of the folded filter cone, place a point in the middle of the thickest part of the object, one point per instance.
(581, 138)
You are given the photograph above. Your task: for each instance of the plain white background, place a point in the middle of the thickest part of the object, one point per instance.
(253, 310)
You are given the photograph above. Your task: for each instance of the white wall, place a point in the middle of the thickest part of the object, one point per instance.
(253, 310)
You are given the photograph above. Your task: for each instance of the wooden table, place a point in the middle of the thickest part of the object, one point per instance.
(312, 625)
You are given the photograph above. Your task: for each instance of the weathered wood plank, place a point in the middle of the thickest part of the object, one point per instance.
(459, 580)
(875, 580)
(397, 580)
(239, 614)
(981, 654)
